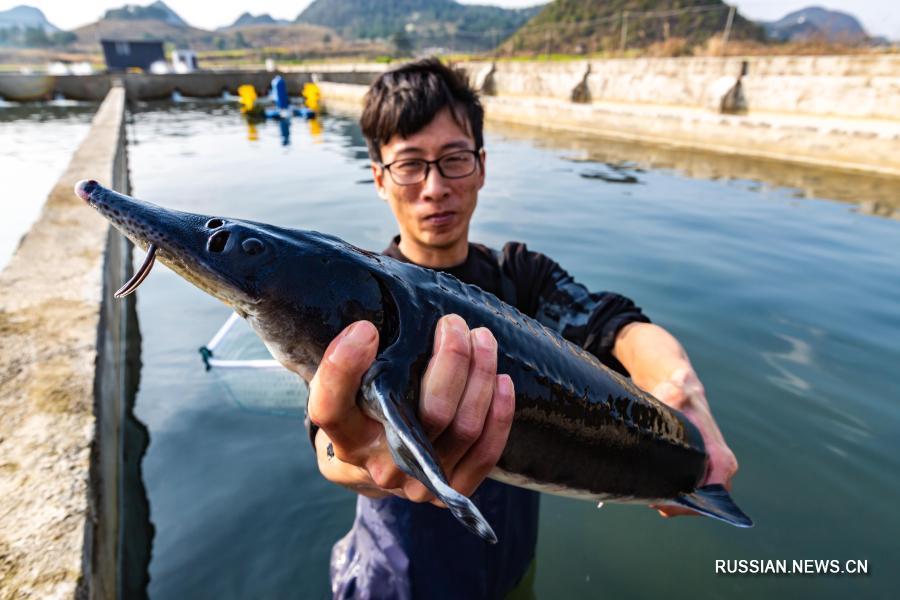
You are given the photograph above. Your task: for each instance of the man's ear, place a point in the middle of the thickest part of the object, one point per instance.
(378, 177)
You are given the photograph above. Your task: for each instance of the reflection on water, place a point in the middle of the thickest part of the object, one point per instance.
(874, 194)
(788, 307)
(36, 143)
(799, 352)
(611, 174)
(252, 133)
(315, 130)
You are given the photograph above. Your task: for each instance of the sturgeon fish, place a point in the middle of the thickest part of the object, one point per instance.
(580, 429)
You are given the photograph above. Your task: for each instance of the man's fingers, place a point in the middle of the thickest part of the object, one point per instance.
(416, 491)
(468, 423)
(333, 389)
(483, 456)
(384, 472)
(445, 377)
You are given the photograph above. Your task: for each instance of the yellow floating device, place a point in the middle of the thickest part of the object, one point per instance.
(311, 95)
(247, 97)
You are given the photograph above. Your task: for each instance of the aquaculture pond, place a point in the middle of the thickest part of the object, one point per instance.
(786, 299)
(36, 143)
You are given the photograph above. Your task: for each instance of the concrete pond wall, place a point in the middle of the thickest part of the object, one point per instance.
(832, 111)
(863, 86)
(67, 376)
(145, 86)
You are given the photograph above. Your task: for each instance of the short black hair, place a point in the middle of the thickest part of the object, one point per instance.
(404, 100)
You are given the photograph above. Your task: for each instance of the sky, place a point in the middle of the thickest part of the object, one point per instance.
(879, 17)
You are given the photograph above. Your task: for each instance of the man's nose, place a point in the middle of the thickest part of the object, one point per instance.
(435, 184)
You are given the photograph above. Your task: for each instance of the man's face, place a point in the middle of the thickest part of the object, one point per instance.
(433, 215)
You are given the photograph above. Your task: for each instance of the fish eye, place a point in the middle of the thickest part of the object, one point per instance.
(214, 223)
(252, 246)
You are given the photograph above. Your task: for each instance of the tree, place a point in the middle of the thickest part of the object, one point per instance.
(35, 37)
(63, 38)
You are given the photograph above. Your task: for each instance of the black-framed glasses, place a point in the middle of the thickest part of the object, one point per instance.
(455, 165)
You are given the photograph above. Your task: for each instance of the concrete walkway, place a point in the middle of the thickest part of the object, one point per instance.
(51, 303)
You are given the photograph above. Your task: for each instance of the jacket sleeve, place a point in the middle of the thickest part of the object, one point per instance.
(549, 294)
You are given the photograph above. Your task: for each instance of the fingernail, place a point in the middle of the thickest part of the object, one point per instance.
(484, 338)
(439, 333)
(505, 385)
(355, 338)
(359, 334)
(456, 326)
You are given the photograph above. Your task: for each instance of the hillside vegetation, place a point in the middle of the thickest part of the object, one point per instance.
(89, 36)
(588, 26)
(419, 24)
(295, 36)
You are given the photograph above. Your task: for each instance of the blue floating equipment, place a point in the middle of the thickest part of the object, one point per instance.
(277, 113)
(283, 108)
(280, 93)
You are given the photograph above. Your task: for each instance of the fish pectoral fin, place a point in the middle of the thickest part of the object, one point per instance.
(413, 452)
(714, 501)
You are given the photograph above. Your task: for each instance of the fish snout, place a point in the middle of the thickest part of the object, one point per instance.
(86, 187)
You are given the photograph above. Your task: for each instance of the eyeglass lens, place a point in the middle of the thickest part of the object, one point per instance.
(451, 166)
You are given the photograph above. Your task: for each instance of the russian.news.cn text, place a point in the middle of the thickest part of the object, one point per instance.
(807, 566)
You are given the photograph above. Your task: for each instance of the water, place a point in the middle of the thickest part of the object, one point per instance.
(786, 303)
(36, 144)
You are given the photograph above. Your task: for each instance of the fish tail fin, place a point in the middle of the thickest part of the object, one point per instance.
(714, 501)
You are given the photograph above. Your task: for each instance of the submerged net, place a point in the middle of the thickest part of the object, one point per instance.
(248, 374)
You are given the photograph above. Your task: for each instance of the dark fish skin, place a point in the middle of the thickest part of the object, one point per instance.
(579, 428)
(578, 424)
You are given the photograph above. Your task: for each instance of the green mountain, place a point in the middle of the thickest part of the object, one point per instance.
(26, 17)
(158, 11)
(817, 23)
(419, 24)
(261, 19)
(579, 26)
(27, 27)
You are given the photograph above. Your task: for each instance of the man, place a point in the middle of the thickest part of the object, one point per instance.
(423, 125)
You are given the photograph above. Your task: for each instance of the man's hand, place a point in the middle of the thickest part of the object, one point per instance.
(464, 406)
(684, 392)
(659, 365)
